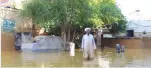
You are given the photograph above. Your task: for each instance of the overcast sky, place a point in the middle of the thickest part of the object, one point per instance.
(129, 7)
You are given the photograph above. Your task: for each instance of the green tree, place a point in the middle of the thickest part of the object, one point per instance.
(68, 18)
(112, 17)
(60, 16)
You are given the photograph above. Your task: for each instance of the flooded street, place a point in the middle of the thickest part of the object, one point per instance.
(104, 59)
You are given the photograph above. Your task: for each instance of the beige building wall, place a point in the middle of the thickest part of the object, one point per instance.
(22, 25)
(7, 41)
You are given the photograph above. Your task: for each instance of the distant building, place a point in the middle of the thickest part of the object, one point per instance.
(12, 3)
(142, 28)
(4, 3)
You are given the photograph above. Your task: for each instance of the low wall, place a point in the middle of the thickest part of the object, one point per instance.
(146, 42)
(127, 42)
(7, 41)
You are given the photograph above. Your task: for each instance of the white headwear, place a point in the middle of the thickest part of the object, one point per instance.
(117, 44)
(87, 29)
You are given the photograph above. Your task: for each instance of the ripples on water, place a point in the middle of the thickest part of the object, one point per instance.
(104, 58)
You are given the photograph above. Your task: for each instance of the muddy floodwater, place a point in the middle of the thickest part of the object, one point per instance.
(104, 59)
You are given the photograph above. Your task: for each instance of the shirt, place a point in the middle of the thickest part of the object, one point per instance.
(88, 40)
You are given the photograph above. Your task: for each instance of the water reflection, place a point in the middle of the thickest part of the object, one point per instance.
(104, 59)
(117, 60)
(103, 63)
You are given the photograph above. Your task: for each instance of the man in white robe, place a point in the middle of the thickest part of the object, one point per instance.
(88, 45)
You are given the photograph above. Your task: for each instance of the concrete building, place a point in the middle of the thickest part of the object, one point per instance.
(141, 28)
(138, 15)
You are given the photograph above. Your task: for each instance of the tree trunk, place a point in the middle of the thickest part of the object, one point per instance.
(69, 32)
(73, 35)
(68, 39)
(33, 31)
(64, 40)
(63, 35)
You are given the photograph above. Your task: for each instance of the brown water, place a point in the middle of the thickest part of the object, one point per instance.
(104, 59)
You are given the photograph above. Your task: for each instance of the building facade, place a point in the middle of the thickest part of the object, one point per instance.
(142, 28)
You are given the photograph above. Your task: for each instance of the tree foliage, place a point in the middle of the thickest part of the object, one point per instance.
(112, 17)
(68, 18)
(60, 17)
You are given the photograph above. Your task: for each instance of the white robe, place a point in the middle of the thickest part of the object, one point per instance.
(88, 44)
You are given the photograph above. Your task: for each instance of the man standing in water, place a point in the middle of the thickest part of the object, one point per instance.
(88, 45)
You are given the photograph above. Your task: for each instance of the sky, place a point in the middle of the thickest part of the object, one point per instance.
(128, 8)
